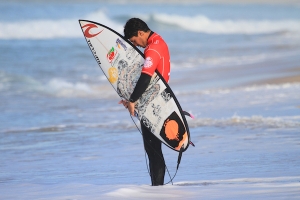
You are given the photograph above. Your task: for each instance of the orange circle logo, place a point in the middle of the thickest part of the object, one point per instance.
(171, 130)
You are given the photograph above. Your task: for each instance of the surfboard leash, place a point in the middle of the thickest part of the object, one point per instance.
(178, 163)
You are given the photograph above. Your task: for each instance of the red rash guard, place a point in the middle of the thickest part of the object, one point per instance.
(157, 57)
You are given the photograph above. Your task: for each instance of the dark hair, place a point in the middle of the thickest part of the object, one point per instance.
(132, 27)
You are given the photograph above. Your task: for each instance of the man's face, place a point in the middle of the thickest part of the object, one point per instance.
(139, 40)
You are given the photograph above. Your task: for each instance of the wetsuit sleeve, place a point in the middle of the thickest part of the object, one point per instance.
(140, 87)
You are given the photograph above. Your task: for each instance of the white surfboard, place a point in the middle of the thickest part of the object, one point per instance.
(121, 62)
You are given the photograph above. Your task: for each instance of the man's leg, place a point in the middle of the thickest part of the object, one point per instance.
(156, 158)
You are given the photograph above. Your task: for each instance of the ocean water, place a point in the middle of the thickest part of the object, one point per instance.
(235, 67)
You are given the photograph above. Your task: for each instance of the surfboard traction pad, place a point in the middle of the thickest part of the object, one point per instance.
(158, 108)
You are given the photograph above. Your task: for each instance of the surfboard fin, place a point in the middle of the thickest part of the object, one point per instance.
(191, 116)
(188, 114)
(191, 143)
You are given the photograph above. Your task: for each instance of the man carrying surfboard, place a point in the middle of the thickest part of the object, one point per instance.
(157, 57)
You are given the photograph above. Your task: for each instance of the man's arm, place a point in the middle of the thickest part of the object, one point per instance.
(139, 89)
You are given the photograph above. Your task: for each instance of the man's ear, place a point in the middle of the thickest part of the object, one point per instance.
(140, 33)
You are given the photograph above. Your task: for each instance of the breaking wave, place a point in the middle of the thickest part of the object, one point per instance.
(69, 28)
(203, 24)
(254, 122)
(49, 29)
(248, 122)
(57, 87)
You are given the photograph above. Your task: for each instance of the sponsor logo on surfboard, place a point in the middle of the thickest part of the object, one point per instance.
(148, 62)
(120, 43)
(130, 53)
(94, 52)
(111, 54)
(112, 74)
(87, 33)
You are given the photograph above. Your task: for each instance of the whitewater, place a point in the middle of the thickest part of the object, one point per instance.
(68, 27)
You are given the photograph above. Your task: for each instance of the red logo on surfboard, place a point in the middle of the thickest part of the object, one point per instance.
(87, 32)
(111, 54)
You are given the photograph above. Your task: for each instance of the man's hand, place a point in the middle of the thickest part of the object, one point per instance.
(129, 105)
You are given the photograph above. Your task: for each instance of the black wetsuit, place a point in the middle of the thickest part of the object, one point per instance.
(156, 159)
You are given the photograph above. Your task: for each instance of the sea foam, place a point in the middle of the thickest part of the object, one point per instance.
(49, 29)
(69, 28)
(200, 23)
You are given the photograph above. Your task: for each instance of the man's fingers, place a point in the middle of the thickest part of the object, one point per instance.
(123, 102)
(128, 105)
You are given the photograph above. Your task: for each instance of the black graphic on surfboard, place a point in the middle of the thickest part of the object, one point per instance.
(166, 95)
(127, 77)
(148, 96)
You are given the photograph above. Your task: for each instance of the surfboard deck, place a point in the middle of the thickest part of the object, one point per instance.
(121, 62)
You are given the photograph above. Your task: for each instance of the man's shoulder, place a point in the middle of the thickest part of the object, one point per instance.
(156, 39)
(156, 44)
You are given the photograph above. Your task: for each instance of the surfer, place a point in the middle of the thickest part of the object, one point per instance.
(157, 57)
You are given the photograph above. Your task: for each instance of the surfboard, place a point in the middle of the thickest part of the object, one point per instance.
(121, 62)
